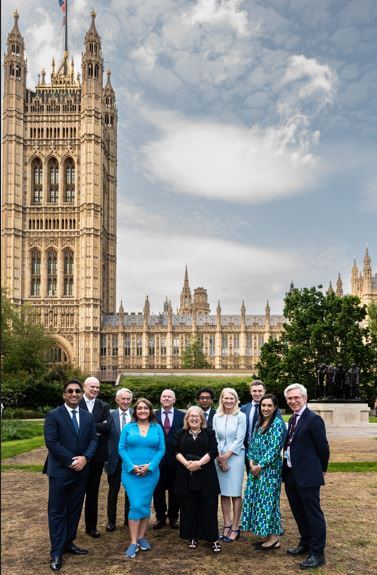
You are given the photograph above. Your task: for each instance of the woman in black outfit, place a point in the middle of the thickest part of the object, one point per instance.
(196, 481)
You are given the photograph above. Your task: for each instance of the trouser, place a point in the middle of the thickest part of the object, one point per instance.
(166, 483)
(306, 508)
(91, 499)
(114, 482)
(65, 501)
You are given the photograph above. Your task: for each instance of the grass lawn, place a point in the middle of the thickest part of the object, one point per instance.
(20, 429)
(13, 448)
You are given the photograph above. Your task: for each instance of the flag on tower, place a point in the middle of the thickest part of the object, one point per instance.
(63, 5)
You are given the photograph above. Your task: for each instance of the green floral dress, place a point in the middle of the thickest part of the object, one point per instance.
(261, 506)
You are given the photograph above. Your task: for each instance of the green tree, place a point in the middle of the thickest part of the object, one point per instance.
(193, 356)
(372, 320)
(320, 328)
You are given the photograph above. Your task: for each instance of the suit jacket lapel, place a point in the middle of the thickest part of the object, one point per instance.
(300, 422)
(115, 416)
(68, 419)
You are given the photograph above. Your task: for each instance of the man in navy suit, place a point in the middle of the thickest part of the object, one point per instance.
(251, 410)
(171, 420)
(306, 456)
(71, 440)
(118, 419)
(204, 398)
(101, 415)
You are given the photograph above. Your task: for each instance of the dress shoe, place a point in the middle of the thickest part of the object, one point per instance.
(299, 550)
(312, 562)
(74, 550)
(110, 527)
(159, 525)
(55, 563)
(93, 533)
(173, 524)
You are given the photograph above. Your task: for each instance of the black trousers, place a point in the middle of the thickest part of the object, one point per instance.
(199, 517)
(91, 499)
(114, 482)
(166, 483)
(65, 501)
(306, 508)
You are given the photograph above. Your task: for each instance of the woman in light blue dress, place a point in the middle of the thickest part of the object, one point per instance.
(229, 424)
(141, 447)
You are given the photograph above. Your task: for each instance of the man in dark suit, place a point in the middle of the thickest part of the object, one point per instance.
(251, 410)
(101, 413)
(171, 420)
(118, 418)
(204, 398)
(71, 440)
(306, 456)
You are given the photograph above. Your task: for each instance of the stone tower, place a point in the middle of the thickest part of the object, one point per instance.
(59, 196)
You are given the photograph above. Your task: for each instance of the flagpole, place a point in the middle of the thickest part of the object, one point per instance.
(66, 27)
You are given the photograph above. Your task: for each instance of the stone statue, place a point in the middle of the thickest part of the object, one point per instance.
(353, 382)
(320, 387)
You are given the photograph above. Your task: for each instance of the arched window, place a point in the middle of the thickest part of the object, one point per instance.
(56, 355)
(53, 181)
(52, 275)
(37, 177)
(69, 180)
(68, 272)
(35, 273)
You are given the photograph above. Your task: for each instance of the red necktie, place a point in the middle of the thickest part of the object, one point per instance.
(166, 423)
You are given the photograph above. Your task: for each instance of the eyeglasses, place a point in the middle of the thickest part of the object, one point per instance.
(205, 397)
(71, 391)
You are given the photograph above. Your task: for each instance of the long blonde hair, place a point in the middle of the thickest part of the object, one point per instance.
(231, 391)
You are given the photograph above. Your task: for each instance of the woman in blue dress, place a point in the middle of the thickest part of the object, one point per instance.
(229, 424)
(141, 447)
(261, 507)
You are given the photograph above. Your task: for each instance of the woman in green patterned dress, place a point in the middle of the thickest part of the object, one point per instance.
(261, 507)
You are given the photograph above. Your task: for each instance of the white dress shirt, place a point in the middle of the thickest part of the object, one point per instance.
(70, 409)
(89, 403)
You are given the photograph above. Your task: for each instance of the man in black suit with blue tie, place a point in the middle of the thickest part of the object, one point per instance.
(71, 440)
(306, 456)
(171, 420)
(251, 410)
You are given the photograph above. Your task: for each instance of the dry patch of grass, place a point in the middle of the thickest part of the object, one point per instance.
(349, 502)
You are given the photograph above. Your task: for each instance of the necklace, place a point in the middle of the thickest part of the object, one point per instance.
(194, 433)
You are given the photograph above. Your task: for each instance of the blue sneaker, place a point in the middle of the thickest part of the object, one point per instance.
(131, 551)
(144, 544)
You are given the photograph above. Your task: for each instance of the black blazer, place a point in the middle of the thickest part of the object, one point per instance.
(113, 441)
(169, 457)
(101, 418)
(309, 450)
(204, 480)
(212, 412)
(63, 442)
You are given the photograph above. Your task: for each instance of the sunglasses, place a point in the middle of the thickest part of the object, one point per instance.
(71, 391)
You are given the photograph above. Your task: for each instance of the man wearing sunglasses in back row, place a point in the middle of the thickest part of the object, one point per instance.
(71, 440)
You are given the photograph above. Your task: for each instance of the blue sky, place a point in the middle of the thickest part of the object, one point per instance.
(247, 140)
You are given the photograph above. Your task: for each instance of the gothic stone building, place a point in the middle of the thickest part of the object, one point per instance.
(59, 231)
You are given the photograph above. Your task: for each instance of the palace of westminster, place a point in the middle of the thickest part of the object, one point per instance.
(59, 198)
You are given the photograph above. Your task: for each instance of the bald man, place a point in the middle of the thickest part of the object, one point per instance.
(101, 416)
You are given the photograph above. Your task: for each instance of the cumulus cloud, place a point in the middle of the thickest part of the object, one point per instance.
(221, 13)
(230, 162)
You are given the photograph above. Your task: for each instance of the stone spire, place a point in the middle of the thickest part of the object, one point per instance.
(339, 287)
(185, 297)
(330, 289)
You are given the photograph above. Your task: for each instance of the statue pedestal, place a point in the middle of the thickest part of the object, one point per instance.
(341, 413)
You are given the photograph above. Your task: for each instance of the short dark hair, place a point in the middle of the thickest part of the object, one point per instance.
(205, 390)
(67, 383)
(257, 382)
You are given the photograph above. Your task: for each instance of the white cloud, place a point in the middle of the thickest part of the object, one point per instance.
(318, 79)
(227, 161)
(221, 13)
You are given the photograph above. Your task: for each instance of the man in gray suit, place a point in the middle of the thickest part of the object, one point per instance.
(118, 419)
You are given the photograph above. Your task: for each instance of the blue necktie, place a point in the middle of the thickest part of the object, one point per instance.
(255, 417)
(74, 420)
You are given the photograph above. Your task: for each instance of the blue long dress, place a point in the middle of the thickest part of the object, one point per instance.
(135, 449)
(261, 506)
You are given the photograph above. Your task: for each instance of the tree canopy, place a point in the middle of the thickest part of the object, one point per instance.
(319, 328)
(193, 356)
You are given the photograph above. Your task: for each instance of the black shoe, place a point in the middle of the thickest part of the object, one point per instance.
(313, 561)
(159, 524)
(173, 523)
(299, 550)
(55, 563)
(74, 550)
(110, 527)
(93, 533)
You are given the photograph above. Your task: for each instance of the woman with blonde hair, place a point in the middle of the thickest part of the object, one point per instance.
(196, 480)
(229, 424)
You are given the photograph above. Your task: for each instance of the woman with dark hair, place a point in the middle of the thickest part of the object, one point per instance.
(196, 480)
(261, 508)
(141, 447)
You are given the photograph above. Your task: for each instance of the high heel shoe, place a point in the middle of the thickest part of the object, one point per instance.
(227, 528)
(229, 539)
(192, 544)
(275, 545)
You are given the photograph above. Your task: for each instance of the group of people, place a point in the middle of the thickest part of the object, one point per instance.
(192, 457)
